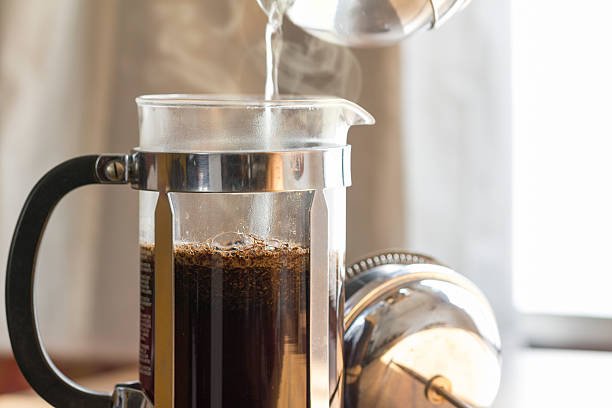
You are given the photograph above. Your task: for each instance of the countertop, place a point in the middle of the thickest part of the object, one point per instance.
(103, 382)
(533, 378)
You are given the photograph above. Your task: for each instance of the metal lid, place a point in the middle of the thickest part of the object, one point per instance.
(417, 335)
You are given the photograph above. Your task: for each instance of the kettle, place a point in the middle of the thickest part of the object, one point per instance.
(365, 23)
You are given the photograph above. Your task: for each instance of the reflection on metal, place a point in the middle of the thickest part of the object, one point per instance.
(319, 303)
(417, 332)
(163, 353)
(438, 389)
(368, 23)
(130, 396)
(275, 177)
(445, 9)
(242, 172)
(434, 17)
(113, 168)
(391, 257)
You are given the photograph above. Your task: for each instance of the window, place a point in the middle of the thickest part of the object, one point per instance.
(562, 158)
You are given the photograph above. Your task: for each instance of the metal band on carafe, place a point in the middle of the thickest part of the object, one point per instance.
(241, 172)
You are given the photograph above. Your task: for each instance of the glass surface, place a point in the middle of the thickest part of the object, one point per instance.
(246, 298)
(208, 123)
(241, 301)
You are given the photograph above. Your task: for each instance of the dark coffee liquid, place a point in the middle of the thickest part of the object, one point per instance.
(241, 336)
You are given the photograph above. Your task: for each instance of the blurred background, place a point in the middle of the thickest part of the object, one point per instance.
(491, 153)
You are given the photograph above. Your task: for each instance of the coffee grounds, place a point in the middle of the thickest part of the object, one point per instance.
(240, 324)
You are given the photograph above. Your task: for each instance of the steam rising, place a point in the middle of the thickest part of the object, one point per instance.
(218, 46)
(316, 67)
(192, 45)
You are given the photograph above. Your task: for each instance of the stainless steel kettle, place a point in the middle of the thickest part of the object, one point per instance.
(417, 334)
(366, 23)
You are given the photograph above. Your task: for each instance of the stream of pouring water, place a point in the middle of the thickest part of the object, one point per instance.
(274, 44)
(263, 205)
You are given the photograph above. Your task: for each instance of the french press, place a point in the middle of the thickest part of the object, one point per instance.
(242, 237)
(242, 242)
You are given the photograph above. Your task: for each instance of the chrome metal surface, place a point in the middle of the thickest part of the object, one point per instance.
(438, 389)
(396, 257)
(113, 168)
(411, 322)
(445, 9)
(319, 303)
(130, 396)
(243, 172)
(163, 325)
(367, 23)
(435, 14)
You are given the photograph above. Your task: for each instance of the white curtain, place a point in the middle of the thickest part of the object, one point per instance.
(69, 73)
(54, 78)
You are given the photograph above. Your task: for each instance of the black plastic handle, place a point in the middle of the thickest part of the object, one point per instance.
(33, 361)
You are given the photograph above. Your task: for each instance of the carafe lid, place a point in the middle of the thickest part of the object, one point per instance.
(417, 334)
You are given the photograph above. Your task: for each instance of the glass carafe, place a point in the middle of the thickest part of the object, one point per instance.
(242, 236)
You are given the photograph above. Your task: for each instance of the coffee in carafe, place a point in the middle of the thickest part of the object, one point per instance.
(241, 319)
